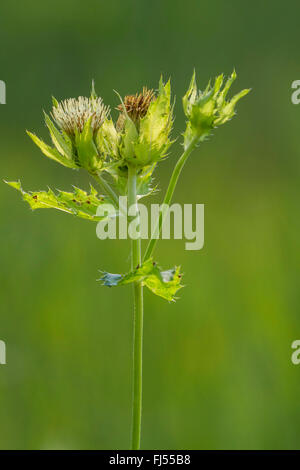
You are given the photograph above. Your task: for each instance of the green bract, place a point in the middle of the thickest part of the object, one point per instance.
(208, 109)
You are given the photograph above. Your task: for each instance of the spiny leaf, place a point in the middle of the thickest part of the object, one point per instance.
(64, 147)
(78, 202)
(129, 138)
(93, 91)
(155, 126)
(51, 152)
(190, 95)
(145, 182)
(86, 148)
(165, 284)
(226, 88)
(227, 111)
(54, 102)
(107, 140)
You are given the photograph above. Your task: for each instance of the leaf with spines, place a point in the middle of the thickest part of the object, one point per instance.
(129, 138)
(54, 102)
(165, 284)
(93, 91)
(227, 111)
(155, 128)
(63, 145)
(52, 152)
(107, 140)
(78, 203)
(86, 148)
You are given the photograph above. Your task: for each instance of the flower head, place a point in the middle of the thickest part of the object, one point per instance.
(71, 115)
(144, 126)
(136, 106)
(208, 109)
(75, 138)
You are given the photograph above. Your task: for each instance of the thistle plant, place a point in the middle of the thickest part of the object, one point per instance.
(121, 157)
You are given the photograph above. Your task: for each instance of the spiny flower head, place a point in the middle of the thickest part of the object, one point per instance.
(141, 135)
(136, 106)
(75, 138)
(208, 109)
(72, 114)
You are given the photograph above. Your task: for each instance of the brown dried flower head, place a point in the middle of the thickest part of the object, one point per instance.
(136, 106)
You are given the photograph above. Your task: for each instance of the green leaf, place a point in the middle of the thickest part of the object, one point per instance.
(227, 111)
(51, 152)
(165, 284)
(147, 153)
(63, 146)
(223, 94)
(87, 151)
(107, 140)
(78, 202)
(190, 96)
(218, 84)
(155, 127)
(128, 140)
(54, 102)
(145, 182)
(93, 91)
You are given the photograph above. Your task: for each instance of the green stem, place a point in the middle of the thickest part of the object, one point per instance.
(138, 323)
(168, 197)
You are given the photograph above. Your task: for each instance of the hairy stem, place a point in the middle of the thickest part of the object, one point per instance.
(138, 322)
(168, 197)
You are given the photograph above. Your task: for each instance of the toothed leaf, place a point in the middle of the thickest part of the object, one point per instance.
(228, 109)
(155, 128)
(129, 139)
(52, 152)
(165, 284)
(107, 140)
(190, 95)
(86, 148)
(54, 102)
(93, 91)
(63, 146)
(78, 203)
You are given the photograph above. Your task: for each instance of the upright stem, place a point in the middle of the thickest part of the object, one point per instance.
(168, 197)
(138, 323)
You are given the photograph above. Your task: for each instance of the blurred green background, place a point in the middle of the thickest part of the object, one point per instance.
(217, 368)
